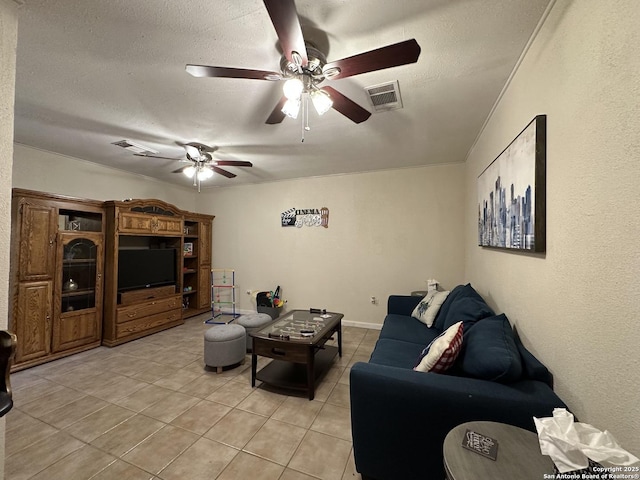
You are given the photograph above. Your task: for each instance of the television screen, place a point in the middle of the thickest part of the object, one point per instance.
(143, 268)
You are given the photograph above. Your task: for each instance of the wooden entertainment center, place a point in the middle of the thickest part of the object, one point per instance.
(65, 295)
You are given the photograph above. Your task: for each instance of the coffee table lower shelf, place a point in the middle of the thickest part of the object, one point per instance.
(293, 376)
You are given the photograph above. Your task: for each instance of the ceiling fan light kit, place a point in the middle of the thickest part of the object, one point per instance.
(291, 107)
(190, 171)
(321, 101)
(304, 67)
(293, 88)
(204, 173)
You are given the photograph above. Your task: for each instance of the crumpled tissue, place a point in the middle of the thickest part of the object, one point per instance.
(570, 444)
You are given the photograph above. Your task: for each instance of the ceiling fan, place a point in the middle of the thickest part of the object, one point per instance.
(202, 166)
(304, 67)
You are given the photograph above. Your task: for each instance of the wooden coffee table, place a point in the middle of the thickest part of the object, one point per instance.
(296, 342)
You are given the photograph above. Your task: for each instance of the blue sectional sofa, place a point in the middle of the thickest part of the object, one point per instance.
(400, 417)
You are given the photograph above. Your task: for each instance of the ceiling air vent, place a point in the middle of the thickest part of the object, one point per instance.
(385, 96)
(135, 147)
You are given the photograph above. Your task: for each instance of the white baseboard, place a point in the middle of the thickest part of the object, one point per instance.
(346, 323)
(239, 312)
(371, 326)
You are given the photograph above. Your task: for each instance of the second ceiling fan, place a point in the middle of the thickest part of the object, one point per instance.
(304, 67)
(202, 166)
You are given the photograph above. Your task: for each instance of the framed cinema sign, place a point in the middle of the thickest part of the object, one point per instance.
(305, 217)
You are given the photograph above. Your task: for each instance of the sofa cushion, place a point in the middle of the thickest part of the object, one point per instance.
(468, 310)
(532, 368)
(402, 304)
(440, 354)
(407, 329)
(439, 320)
(454, 309)
(489, 351)
(429, 306)
(396, 353)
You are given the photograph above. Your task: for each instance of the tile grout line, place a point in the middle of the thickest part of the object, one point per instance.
(102, 356)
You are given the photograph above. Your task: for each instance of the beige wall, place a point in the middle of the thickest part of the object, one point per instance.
(49, 172)
(388, 232)
(8, 41)
(578, 306)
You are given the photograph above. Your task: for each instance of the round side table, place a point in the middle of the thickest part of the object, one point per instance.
(518, 454)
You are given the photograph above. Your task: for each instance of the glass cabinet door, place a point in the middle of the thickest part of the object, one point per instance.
(81, 273)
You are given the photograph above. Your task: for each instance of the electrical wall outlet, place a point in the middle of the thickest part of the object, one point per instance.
(373, 300)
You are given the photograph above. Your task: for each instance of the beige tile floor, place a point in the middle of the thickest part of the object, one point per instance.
(149, 409)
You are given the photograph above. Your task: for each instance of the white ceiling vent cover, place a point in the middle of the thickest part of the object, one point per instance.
(385, 96)
(135, 147)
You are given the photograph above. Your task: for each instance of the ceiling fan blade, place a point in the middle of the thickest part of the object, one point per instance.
(154, 156)
(208, 71)
(222, 172)
(346, 106)
(233, 163)
(199, 146)
(285, 20)
(277, 115)
(386, 57)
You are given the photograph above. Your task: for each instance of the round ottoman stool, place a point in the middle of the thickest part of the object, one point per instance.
(224, 345)
(253, 322)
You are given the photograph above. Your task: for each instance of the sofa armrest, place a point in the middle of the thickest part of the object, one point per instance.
(402, 304)
(400, 417)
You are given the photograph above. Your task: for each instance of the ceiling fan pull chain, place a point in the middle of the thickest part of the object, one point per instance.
(306, 112)
(302, 121)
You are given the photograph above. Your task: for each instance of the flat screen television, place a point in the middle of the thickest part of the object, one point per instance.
(145, 268)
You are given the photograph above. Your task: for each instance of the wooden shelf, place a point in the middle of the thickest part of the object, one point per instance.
(78, 293)
(78, 261)
(294, 375)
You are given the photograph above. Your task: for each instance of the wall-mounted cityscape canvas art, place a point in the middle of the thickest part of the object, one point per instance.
(512, 193)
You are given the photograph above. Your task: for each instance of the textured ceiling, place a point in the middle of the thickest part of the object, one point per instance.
(94, 72)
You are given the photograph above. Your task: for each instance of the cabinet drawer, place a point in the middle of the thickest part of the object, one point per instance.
(148, 323)
(290, 353)
(129, 222)
(140, 310)
(146, 294)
